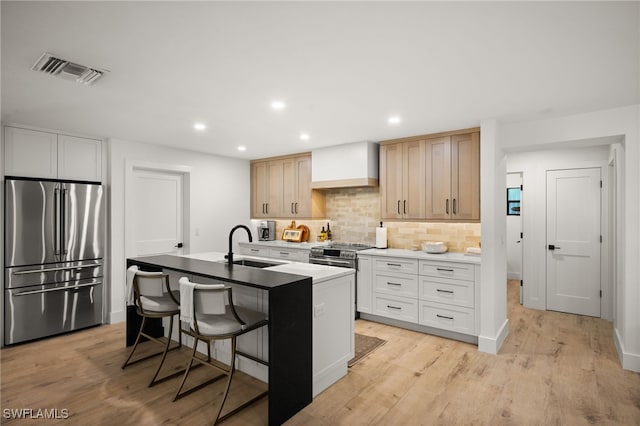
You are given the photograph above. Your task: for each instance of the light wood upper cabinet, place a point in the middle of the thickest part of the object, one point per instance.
(259, 189)
(432, 177)
(281, 188)
(402, 171)
(438, 185)
(38, 154)
(453, 180)
(465, 176)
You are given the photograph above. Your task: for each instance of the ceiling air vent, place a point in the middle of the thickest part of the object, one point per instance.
(49, 64)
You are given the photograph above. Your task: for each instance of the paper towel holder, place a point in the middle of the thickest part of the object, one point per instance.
(381, 237)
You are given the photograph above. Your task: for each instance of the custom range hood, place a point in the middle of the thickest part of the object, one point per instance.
(344, 166)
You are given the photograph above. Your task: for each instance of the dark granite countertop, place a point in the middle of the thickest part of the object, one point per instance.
(252, 277)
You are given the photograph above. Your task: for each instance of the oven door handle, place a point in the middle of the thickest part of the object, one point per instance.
(331, 262)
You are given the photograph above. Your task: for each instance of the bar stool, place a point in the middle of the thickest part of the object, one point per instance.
(209, 313)
(154, 298)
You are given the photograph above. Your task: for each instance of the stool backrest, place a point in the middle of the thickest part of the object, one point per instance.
(210, 299)
(150, 283)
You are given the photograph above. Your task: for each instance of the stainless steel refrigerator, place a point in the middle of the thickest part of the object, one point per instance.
(53, 258)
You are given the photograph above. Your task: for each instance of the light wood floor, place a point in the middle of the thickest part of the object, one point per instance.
(553, 369)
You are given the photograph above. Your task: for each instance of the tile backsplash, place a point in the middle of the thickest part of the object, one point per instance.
(354, 213)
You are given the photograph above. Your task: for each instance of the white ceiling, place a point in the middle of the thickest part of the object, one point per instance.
(342, 68)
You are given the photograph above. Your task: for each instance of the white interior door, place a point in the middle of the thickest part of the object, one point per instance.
(157, 212)
(514, 230)
(573, 241)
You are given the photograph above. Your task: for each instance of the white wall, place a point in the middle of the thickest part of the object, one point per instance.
(620, 124)
(218, 197)
(534, 166)
(494, 325)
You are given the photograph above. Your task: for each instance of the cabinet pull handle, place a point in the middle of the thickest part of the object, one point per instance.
(292, 208)
(444, 291)
(444, 317)
(444, 270)
(454, 206)
(284, 253)
(398, 206)
(267, 204)
(405, 206)
(447, 206)
(397, 265)
(255, 250)
(296, 208)
(396, 284)
(394, 307)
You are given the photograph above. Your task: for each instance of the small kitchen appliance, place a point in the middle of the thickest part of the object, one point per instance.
(267, 230)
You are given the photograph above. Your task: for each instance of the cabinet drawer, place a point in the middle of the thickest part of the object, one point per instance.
(447, 317)
(409, 266)
(443, 290)
(254, 251)
(401, 308)
(293, 255)
(460, 271)
(397, 284)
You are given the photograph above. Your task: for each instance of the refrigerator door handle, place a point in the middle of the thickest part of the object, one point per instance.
(48, 290)
(63, 228)
(56, 220)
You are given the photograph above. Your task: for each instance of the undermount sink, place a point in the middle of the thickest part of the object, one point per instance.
(255, 263)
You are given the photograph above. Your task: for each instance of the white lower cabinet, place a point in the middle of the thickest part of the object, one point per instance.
(364, 290)
(431, 295)
(447, 317)
(275, 251)
(396, 307)
(250, 250)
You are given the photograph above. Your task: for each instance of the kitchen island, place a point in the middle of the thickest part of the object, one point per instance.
(310, 334)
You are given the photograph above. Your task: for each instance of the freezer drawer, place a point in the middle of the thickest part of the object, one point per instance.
(45, 310)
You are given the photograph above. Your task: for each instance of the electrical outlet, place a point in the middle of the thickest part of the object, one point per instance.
(318, 310)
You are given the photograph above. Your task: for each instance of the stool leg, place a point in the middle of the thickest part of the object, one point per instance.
(186, 372)
(231, 370)
(135, 345)
(164, 353)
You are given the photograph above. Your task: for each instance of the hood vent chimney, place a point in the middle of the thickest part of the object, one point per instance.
(49, 64)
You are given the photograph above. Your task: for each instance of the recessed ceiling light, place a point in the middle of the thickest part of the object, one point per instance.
(242, 148)
(394, 120)
(199, 126)
(278, 105)
(304, 136)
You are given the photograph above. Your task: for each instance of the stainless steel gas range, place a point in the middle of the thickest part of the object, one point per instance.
(343, 255)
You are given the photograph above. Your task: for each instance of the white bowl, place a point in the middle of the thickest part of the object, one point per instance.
(434, 247)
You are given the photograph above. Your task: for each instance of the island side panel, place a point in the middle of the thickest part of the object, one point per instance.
(290, 350)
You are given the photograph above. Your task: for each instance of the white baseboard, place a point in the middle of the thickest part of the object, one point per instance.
(492, 344)
(330, 375)
(629, 361)
(117, 316)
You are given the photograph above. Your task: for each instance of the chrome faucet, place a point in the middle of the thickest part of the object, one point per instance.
(230, 254)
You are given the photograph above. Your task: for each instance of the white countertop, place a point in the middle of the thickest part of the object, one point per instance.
(319, 273)
(420, 255)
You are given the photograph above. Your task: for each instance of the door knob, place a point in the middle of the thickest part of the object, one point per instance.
(179, 245)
